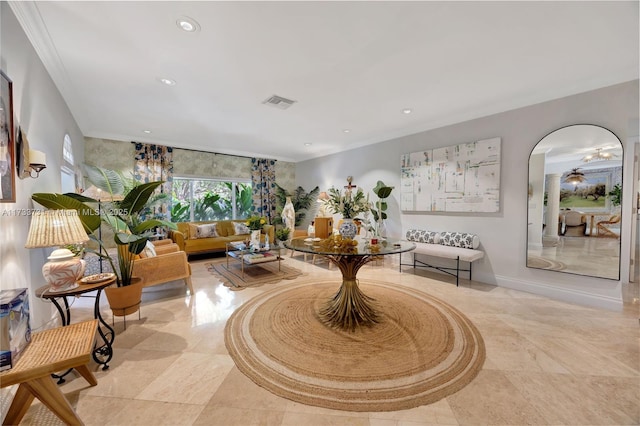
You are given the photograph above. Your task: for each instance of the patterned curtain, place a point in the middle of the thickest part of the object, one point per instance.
(263, 183)
(154, 163)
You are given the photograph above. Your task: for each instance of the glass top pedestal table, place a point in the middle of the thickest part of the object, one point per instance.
(349, 308)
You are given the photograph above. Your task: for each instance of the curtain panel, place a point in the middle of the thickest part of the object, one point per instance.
(154, 163)
(263, 184)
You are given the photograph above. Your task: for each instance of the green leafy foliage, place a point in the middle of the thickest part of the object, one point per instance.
(105, 179)
(301, 200)
(382, 191)
(616, 195)
(131, 232)
(88, 215)
(213, 201)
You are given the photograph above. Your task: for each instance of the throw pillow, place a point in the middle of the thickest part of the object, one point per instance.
(193, 230)
(240, 228)
(206, 231)
(149, 250)
(422, 236)
(459, 239)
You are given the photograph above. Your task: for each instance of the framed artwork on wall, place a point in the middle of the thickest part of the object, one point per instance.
(457, 178)
(7, 143)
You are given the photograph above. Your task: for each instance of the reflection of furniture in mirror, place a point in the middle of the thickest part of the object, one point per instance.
(571, 173)
(606, 230)
(573, 224)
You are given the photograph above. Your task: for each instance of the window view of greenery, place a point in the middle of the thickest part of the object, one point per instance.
(208, 199)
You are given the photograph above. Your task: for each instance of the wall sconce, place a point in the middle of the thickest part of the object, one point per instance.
(37, 162)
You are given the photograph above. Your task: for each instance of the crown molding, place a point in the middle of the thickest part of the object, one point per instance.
(29, 18)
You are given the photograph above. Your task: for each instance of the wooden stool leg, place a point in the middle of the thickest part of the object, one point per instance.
(45, 389)
(19, 406)
(190, 285)
(87, 374)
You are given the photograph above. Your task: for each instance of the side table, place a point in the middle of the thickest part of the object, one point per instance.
(102, 353)
(50, 350)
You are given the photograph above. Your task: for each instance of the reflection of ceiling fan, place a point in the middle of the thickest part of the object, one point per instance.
(575, 176)
(598, 156)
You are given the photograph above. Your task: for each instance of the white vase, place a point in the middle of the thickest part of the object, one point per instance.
(348, 229)
(255, 239)
(63, 270)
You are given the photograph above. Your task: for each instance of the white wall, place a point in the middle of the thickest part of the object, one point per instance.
(43, 115)
(503, 235)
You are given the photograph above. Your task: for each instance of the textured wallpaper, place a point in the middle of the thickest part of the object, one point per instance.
(118, 155)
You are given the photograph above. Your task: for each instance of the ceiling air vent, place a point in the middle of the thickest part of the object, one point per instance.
(278, 102)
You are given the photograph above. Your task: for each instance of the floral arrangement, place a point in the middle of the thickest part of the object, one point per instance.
(255, 222)
(348, 204)
(282, 234)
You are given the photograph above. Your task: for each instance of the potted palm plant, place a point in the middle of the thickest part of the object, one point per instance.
(130, 230)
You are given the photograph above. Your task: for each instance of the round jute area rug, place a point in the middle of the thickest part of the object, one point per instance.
(543, 263)
(421, 350)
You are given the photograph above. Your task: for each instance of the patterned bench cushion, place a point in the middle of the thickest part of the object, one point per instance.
(422, 236)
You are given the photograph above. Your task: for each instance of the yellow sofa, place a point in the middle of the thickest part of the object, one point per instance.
(184, 236)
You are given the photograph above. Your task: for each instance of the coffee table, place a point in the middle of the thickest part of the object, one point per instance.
(239, 253)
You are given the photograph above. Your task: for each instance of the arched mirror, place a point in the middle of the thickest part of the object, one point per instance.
(575, 194)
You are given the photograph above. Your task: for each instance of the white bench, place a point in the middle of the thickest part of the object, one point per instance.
(444, 245)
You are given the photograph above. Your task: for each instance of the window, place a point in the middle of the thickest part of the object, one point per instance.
(68, 178)
(209, 199)
(67, 152)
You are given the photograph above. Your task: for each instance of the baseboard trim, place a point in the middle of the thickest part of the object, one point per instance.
(563, 294)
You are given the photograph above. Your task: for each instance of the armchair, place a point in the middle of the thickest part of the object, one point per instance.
(604, 229)
(573, 223)
(169, 264)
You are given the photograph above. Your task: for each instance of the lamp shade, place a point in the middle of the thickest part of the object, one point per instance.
(51, 228)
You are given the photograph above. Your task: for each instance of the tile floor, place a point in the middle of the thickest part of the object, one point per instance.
(548, 362)
(591, 256)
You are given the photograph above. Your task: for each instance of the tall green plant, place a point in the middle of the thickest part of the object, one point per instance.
(131, 232)
(379, 213)
(301, 200)
(616, 195)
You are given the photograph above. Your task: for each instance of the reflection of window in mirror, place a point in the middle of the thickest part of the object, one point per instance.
(575, 178)
(67, 175)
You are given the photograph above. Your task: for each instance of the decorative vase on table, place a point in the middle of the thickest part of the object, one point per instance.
(348, 229)
(63, 270)
(255, 239)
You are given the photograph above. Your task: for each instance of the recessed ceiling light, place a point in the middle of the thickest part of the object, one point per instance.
(346, 130)
(168, 81)
(307, 144)
(407, 111)
(188, 24)
(146, 131)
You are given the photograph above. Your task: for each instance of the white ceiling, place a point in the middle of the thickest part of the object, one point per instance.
(349, 65)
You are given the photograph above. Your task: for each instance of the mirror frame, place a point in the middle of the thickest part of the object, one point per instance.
(554, 264)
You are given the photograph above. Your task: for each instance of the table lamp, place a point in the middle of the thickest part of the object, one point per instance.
(322, 210)
(52, 228)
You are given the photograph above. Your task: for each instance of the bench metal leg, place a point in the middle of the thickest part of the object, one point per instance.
(457, 271)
